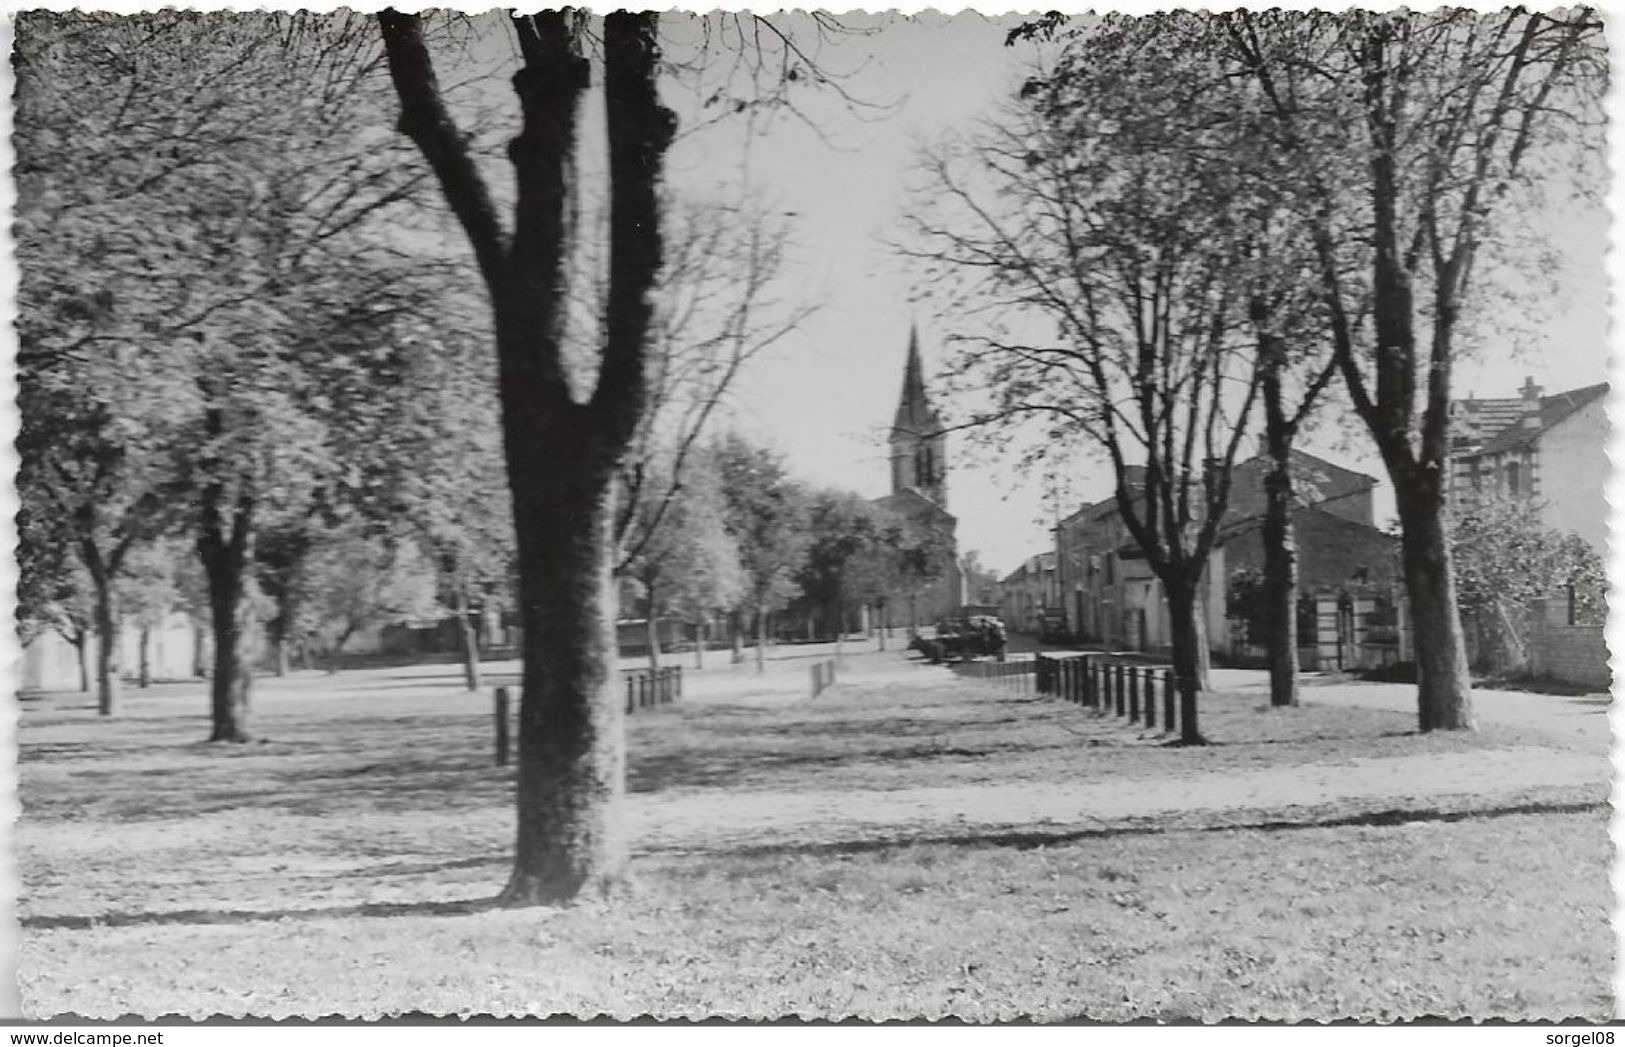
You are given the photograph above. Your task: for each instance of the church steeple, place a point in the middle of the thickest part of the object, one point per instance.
(918, 445)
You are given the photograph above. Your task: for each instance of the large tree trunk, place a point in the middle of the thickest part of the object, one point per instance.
(227, 555)
(699, 643)
(1444, 690)
(736, 636)
(571, 750)
(1185, 626)
(761, 640)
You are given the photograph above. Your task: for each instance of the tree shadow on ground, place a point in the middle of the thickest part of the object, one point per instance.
(1159, 825)
(454, 907)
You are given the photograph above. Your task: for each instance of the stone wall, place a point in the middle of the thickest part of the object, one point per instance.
(1570, 653)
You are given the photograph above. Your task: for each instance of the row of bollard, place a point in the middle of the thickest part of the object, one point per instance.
(1110, 687)
(645, 688)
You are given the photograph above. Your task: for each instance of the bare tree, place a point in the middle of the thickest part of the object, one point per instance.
(1095, 236)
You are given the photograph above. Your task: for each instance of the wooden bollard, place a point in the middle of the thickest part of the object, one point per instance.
(1150, 698)
(500, 712)
(1117, 689)
(1168, 704)
(1134, 694)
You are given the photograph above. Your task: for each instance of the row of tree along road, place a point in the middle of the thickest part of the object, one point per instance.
(1188, 219)
(269, 293)
(256, 380)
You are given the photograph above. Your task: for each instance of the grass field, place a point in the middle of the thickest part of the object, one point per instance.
(342, 865)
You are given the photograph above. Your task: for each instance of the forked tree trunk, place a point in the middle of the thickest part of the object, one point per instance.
(562, 454)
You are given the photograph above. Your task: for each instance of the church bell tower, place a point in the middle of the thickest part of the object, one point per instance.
(918, 444)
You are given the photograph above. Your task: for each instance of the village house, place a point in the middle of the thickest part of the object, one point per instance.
(1549, 450)
(1113, 598)
(1028, 593)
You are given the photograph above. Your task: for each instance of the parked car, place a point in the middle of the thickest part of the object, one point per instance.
(962, 638)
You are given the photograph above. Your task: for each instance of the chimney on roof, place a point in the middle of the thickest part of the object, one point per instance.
(1531, 403)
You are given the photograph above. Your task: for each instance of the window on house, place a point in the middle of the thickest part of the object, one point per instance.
(1513, 485)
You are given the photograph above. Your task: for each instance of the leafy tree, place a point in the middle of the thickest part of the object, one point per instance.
(842, 529)
(689, 564)
(148, 594)
(1404, 134)
(1506, 562)
(981, 583)
(437, 469)
(358, 582)
(199, 188)
(98, 471)
(53, 592)
(766, 514)
(721, 303)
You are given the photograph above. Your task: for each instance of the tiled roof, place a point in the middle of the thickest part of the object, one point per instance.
(1553, 409)
(1314, 480)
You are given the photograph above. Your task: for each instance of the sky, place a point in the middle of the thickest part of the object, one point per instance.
(826, 395)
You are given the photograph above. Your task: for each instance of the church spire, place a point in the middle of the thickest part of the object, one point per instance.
(913, 407)
(918, 445)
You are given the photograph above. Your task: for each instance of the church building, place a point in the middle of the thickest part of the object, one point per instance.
(919, 494)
